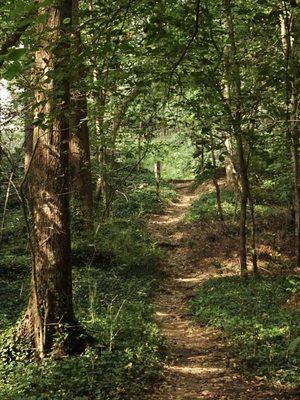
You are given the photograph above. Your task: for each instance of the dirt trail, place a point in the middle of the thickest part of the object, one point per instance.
(199, 366)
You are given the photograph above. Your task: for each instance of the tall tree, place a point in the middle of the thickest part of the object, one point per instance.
(50, 319)
(290, 42)
(234, 76)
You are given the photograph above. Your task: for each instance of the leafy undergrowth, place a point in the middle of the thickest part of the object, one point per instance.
(141, 198)
(205, 207)
(113, 281)
(114, 307)
(256, 321)
(113, 304)
(176, 155)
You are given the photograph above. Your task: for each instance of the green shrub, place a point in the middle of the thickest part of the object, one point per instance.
(112, 279)
(205, 207)
(143, 200)
(115, 309)
(176, 156)
(120, 243)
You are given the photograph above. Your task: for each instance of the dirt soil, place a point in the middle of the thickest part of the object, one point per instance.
(199, 366)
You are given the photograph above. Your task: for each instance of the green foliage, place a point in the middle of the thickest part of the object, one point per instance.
(175, 154)
(114, 307)
(110, 375)
(208, 173)
(145, 101)
(112, 281)
(276, 190)
(205, 207)
(142, 199)
(120, 243)
(256, 322)
(13, 296)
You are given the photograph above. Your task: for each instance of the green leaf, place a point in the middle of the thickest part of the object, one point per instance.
(12, 71)
(16, 54)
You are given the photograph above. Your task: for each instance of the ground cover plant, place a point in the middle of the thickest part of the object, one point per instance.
(257, 322)
(114, 277)
(205, 207)
(115, 309)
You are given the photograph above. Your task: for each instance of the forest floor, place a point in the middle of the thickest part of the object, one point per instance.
(199, 365)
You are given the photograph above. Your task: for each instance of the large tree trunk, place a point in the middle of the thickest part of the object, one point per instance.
(80, 163)
(49, 320)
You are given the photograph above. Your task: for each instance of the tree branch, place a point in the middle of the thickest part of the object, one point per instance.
(15, 37)
(190, 42)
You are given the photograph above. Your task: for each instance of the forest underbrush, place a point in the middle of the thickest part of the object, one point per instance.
(114, 275)
(260, 321)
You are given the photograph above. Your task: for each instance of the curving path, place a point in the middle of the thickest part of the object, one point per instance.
(199, 366)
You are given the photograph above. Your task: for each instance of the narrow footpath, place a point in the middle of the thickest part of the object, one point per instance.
(199, 366)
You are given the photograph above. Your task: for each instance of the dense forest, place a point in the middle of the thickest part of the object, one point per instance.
(149, 199)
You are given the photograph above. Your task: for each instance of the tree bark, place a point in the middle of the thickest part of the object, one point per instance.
(290, 43)
(235, 79)
(215, 179)
(49, 321)
(231, 174)
(243, 205)
(28, 142)
(80, 162)
(254, 235)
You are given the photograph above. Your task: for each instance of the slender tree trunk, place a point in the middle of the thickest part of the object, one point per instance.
(231, 174)
(296, 162)
(50, 320)
(238, 133)
(102, 182)
(5, 205)
(254, 235)
(243, 206)
(104, 189)
(80, 163)
(139, 147)
(290, 43)
(202, 159)
(100, 99)
(107, 161)
(28, 142)
(215, 179)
